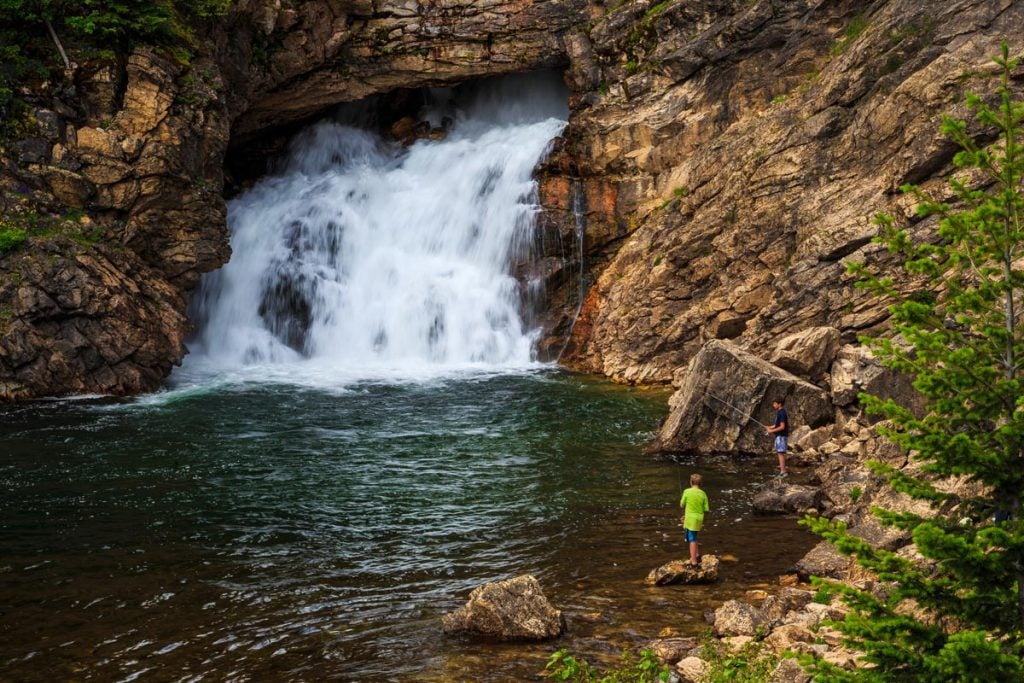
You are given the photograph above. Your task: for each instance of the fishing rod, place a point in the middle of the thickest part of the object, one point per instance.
(747, 416)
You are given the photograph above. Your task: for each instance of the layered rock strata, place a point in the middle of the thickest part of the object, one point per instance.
(742, 149)
(119, 179)
(723, 159)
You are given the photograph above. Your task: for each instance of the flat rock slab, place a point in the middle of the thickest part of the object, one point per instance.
(510, 610)
(783, 498)
(680, 571)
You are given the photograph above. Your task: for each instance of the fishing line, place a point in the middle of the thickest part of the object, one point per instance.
(746, 415)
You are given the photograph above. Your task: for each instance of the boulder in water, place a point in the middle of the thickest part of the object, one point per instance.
(724, 394)
(680, 571)
(514, 609)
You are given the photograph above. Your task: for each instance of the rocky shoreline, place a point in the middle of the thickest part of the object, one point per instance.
(830, 445)
(819, 379)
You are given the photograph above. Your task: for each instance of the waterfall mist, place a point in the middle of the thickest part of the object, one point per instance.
(368, 258)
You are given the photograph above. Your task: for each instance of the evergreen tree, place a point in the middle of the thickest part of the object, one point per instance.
(959, 615)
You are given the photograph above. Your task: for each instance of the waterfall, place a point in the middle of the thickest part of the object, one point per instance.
(360, 254)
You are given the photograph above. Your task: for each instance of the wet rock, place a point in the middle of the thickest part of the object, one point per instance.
(808, 353)
(723, 396)
(785, 498)
(510, 610)
(404, 129)
(680, 571)
(735, 618)
(84, 319)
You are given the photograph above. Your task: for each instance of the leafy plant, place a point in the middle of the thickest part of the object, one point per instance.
(752, 663)
(960, 614)
(642, 668)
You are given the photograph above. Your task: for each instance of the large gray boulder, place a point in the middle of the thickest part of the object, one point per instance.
(807, 353)
(725, 397)
(513, 609)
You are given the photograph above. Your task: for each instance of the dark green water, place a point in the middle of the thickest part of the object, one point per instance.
(274, 532)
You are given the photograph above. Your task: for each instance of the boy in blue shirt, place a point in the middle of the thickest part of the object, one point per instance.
(781, 431)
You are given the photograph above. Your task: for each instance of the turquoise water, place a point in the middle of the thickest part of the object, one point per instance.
(256, 531)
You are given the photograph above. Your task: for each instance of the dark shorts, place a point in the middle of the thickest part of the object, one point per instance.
(691, 536)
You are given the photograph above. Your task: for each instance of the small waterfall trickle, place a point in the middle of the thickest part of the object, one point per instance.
(579, 216)
(362, 254)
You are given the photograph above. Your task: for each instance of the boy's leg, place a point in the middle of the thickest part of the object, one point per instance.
(691, 536)
(780, 448)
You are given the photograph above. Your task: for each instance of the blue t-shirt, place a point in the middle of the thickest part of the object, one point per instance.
(781, 416)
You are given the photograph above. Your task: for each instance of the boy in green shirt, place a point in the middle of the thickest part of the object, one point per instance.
(694, 503)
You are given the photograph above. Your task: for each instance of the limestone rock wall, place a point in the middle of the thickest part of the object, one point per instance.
(743, 149)
(119, 178)
(723, 156)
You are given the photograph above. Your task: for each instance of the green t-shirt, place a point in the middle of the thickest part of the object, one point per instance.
(695, 503)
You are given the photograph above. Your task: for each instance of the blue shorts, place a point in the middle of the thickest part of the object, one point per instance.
(780, 444)
(691, 536)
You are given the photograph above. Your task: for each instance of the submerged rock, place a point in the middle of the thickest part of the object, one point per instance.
(680, 571)
(514, 609)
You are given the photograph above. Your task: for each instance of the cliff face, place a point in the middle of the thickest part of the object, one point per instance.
(724, 156)
(743, 149)
(95, 301)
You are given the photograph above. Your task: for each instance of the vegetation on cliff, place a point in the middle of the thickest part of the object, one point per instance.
(35, 36)
(956, 612)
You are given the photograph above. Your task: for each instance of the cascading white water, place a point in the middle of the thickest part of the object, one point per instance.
(361, 255)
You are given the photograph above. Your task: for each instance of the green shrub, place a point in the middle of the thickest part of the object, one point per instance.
(753, 663)
(854, 29)
(642, 668)
(86, 27)
(11, 238)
